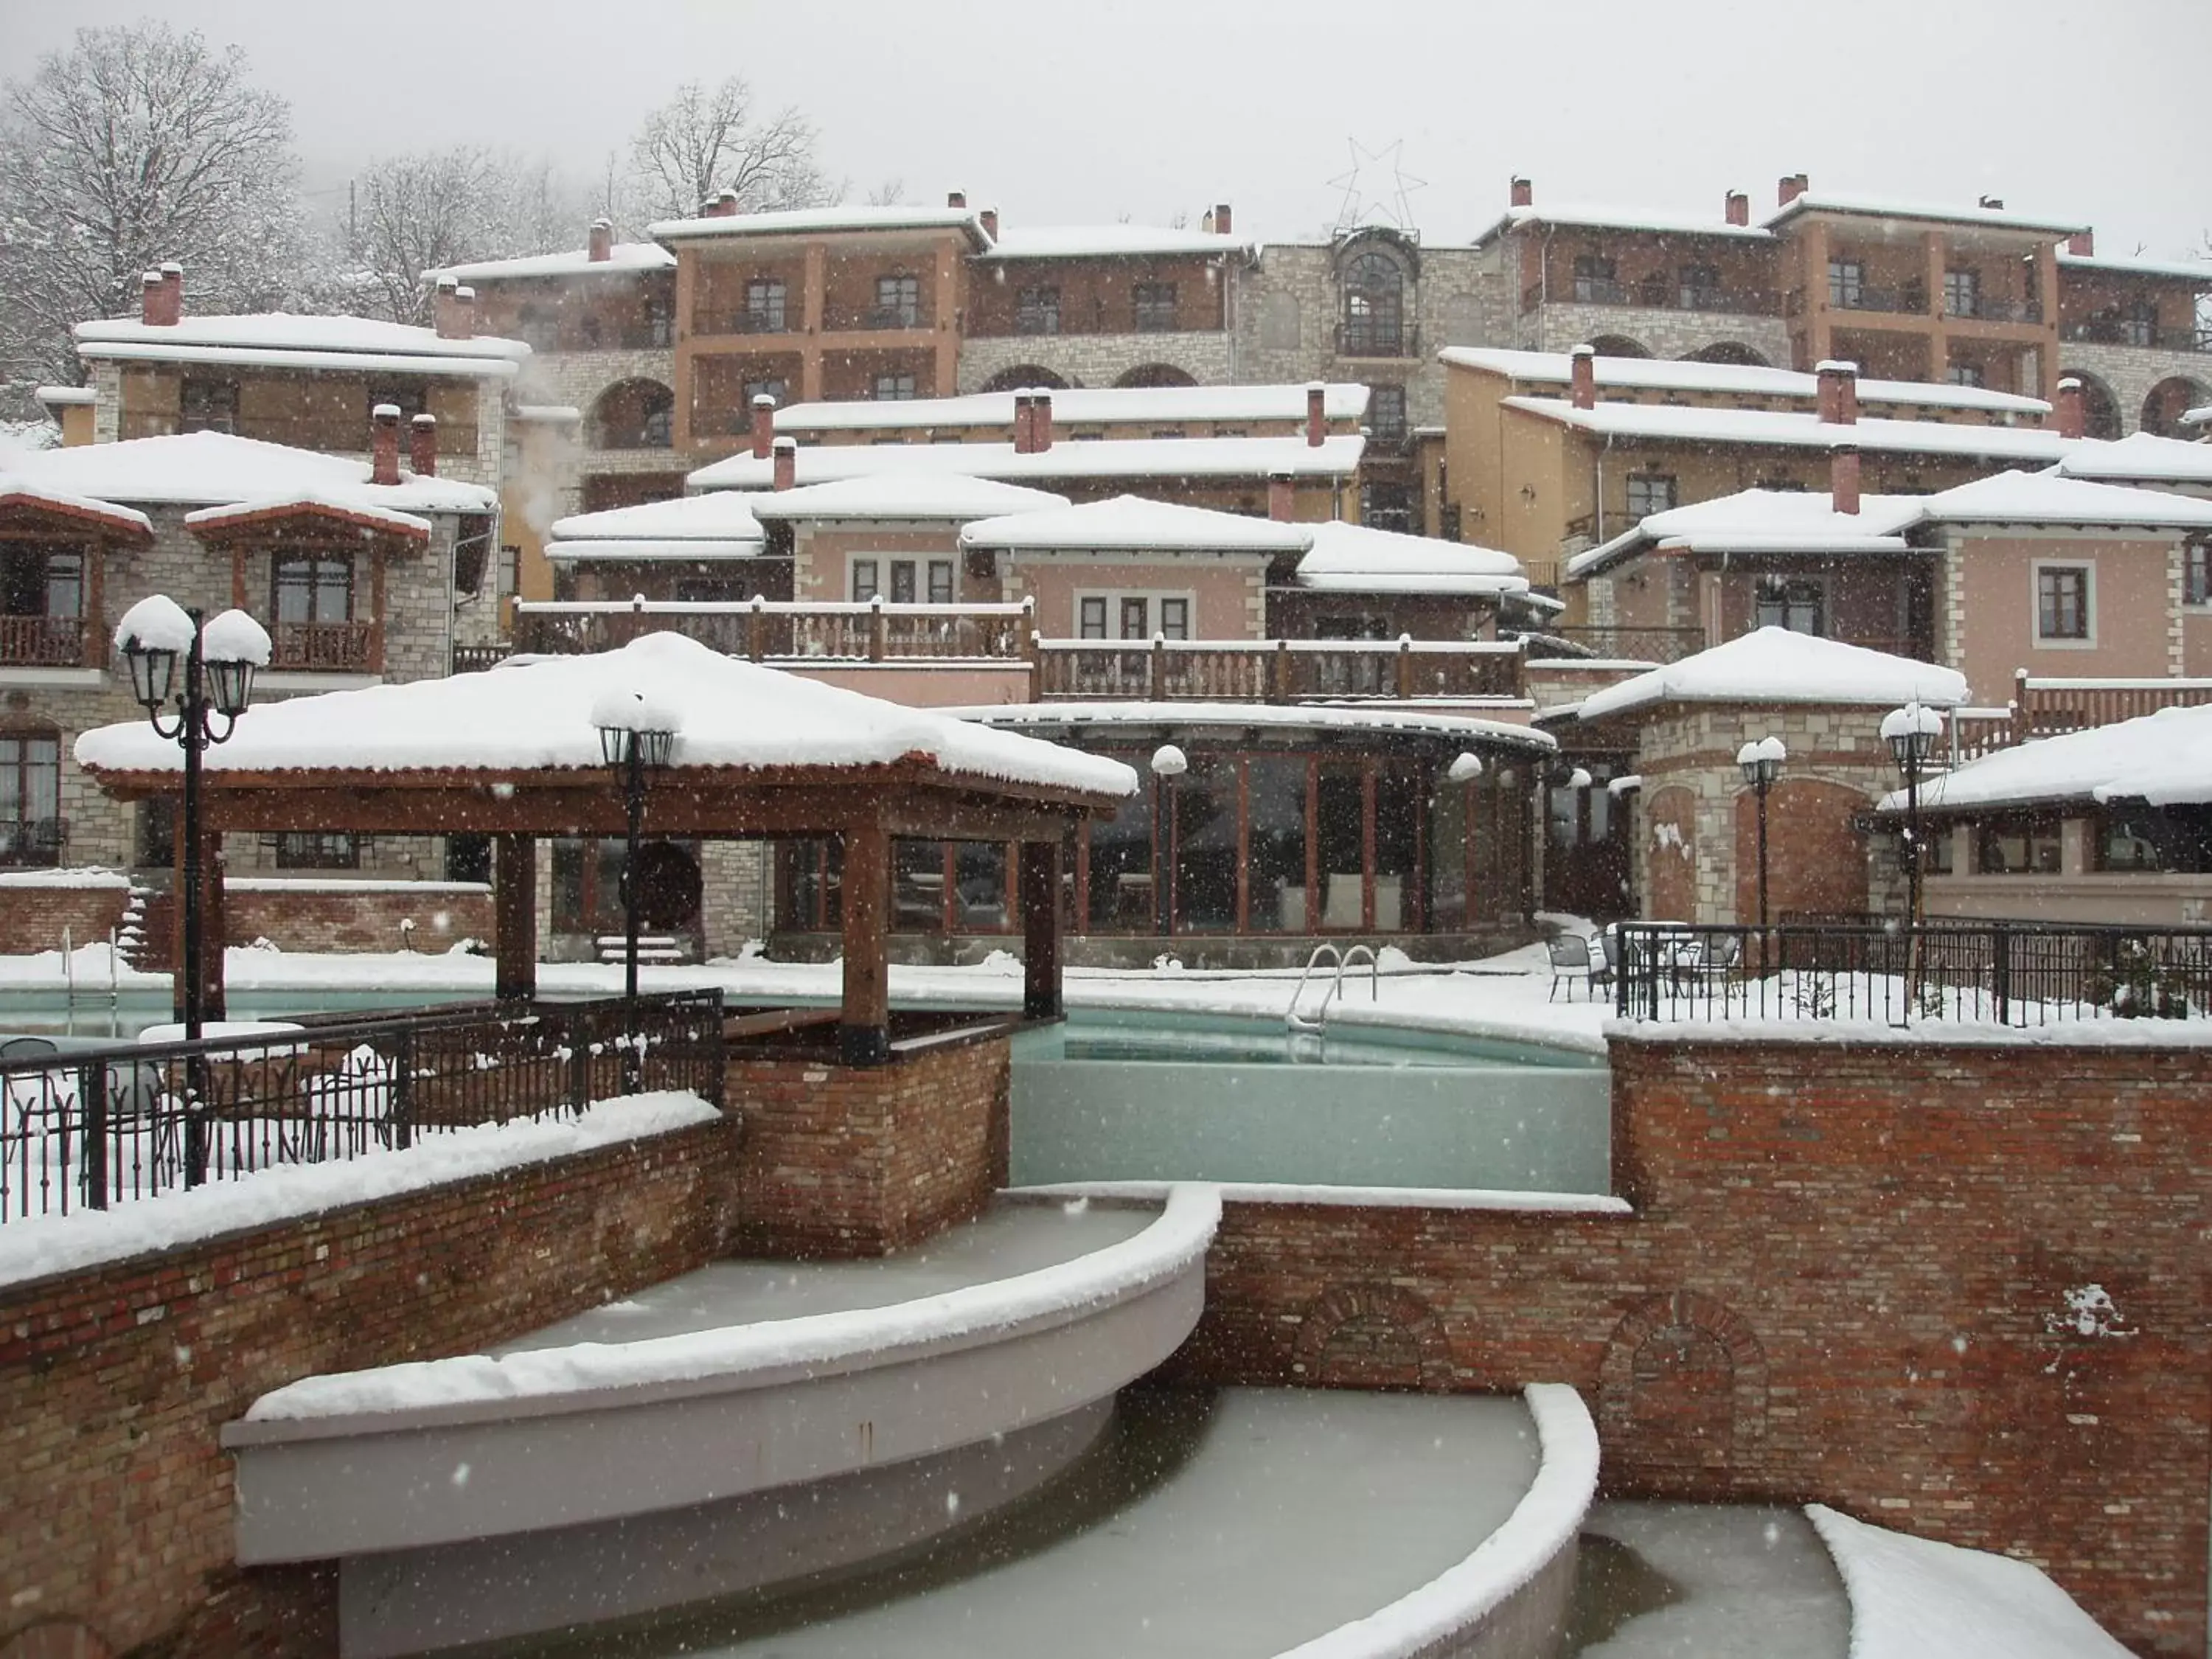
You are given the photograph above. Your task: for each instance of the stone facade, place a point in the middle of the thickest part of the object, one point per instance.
(1209, 356)
(1561, 326)
(2127, 373)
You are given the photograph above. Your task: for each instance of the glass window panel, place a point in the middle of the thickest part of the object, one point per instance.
(1120, 870)
(981, 898)
(1397, 847)
(918, 886)
(1340, 843)
(1448, 833)
(1175, 618)
(901, 582)
(864, 579)
(1275, 849)
(1092, 619)
(1135, 616)
(1205, 846)
(940, 581)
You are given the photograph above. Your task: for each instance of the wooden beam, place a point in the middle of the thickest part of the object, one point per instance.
(1041, 954)
(864, 1030)
(514, 916)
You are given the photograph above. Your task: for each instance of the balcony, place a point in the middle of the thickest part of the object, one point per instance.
(769, 630)
(42, 643)
(342, 648)
(1897, 302)
(2143, 336)
(1379, 341)
(876, 319)
(1989, 309)
(1658, 295)
(1276, 671)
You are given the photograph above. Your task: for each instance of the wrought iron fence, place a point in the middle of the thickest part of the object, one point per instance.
(86, 1129)
(2022, 974)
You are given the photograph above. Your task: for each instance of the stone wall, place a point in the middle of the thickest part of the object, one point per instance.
(115, 1381)
(2129, 373)
(1563, 324)
(1101, 360)
(1860, 1275)
(88, 905)
(338, 915)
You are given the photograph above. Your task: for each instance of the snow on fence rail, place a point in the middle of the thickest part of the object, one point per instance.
(88, 1127)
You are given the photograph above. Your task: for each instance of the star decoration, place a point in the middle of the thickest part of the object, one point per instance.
(1370, 197)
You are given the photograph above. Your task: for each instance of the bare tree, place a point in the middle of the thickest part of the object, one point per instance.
(137, 146)
(412, 214)
(706, 140)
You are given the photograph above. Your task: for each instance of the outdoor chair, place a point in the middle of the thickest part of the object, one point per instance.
(1703, 961)
(1571, 958)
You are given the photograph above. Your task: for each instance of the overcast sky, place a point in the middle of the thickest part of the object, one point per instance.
(1060, 113)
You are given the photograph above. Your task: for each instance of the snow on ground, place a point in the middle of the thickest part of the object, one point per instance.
(1706, 1581)
(1912, 1598)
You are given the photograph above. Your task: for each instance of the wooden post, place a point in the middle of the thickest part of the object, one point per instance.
(2020, 726)
(864, 1025)
(878, 629)
(514, 917)
(1041, 961)
(1279, 685)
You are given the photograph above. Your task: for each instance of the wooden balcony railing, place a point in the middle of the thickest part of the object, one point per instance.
(43, 641)
(346, 648)
(1277, 671)
(775, 630)
(2048, 705)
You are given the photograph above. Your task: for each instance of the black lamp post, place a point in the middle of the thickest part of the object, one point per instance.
(219, 660)
(1911, 732)
(1762, 765)
(636, 737)
(1169, 764)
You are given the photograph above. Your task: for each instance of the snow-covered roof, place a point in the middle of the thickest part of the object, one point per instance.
(1319, 717)
(1615, 218)
(1255, 458)
(1351, 559)
(1130, 523)
(624, 259)
(1772, 664)
(331, 504)
(952, 498)
(1875, 207)
(2141, 458)
(217, 469)
(1081, 406)
(2049, 498)
(823, 221)
(2165, 758)
(16, 491)
(1742, 380)
(66, 396)
(1116, 242)
(722, 517)
(1763, 521)
(536, 713)
(2195, 270)
(283, 339)
(1798, 430)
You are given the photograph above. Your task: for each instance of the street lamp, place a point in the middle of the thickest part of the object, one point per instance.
(1762, 765)
(637, 736)
(219, 660)
(1466, 766)
(1169, 764)
(1911, 732)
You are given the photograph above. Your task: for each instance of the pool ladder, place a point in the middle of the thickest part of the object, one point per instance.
(1344, 961)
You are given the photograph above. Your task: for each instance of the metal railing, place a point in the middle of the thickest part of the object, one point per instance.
(1663, 294)
(1378, 340)
(324, 647)
(90, 1127)
(36, 842)
(475, 658)
(2143, 336)
(1990, 309)
(1277, 671)
(778, 630)
(1901, 301)
(2021, 973)
(42, 641)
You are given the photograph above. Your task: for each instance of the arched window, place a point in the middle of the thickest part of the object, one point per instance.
(1619, 345)
(31, 829)
(633, 415)
(2100, 411)
(1156, 375)
(1024, 377)
(2168, 401)
(1374, 307)
(1729, 351)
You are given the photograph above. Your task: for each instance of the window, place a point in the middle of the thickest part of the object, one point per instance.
(894, 388)
(313, 587)
(1596, 281)
(2140, 326)
(1788, 485)
(308, 849)
(1175, 618)
(208, 406)
(30, 798)
(1962, 296)
(1700, 288)
(1387, 507)
(1091, 618)
(1036, 311)
(1374, 307)
(468, 858)
(1127, 616)
(1800, 606)
(898, 302)
(1386, 413)
(2017, 847)
(907, 579)
(1959, 373)
(1155, 304)
(540, 327)
(764, 306)
(940, 581)
(660, 322)
(776, 388)
(37, 582)
(1649, 493)
(591, 331)
(2153, 840)
(2197, 573)
(1134, 613)
(2062, 604)
(865, 580)
(1847, 282)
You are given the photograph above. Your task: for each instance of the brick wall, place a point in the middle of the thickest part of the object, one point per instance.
(844, 1161)
(304, 916)
(114, 1383)
(1846, 1280)
(36, 914)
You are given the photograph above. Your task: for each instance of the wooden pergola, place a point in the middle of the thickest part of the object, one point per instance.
(864, 807)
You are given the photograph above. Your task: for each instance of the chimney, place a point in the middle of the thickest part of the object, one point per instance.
(454, 310)
(1221, 219)
(161, 303)
(724, 206)
(1021, 423)
(1317, 413)
(786, 463)
(1792, 186)
(956, 198)
(1282, 496)
(602, 242)
(422, 446)
(1582, 377)
(1839, 399)
(1993, 204)
(1843, 478)
(2073, 419)
(990, 218)
(1040, 422)
(384, 444)
(1738, 208)
(2082, 245)
(764, 425)
(1524, 193)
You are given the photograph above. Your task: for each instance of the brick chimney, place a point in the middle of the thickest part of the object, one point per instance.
(422, 446)
(161, 297)
(990, 218)
(1221, 219)
(1317, 413)
(602, 242)
(2082, 245)
(786, 463)
(1792, 186)
(764, 425)
(724, 206)
(454, 310)
(1524, 192)
(2072, 417)
(384, 444)
(1040, 422)
(1582, 377)
(1282, 497)
(1844, 478)
(1839, 394)
(1023, 414)
(1737, 208)
(956, 198)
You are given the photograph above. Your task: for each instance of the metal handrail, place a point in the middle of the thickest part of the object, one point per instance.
(1294, 1022)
